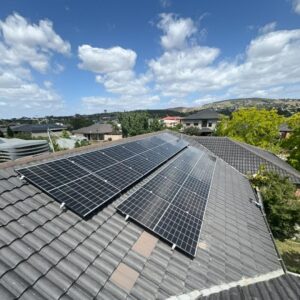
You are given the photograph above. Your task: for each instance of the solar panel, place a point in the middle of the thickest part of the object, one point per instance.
(93, 161)
(179, 200)
(119, 175)
(84, 182)
(85, 194)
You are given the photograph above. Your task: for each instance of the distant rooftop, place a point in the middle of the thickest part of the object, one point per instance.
(206, 114)
(37, 128)
(95, 128)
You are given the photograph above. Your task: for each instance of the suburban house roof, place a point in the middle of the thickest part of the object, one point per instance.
(37, 128)
(172, 118)
(205, 114)
(51, 253)
(95, 129)
(246, 158)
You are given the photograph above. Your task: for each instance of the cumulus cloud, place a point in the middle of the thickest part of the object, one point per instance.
(23, 42)
(267, 28)
(271, 59)
(25, 46)
(176, 31)
(99, 60)
(296, 6)
(115, 70)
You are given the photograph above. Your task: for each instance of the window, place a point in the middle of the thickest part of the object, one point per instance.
(209, 124)
(204, 123)
(195, 124)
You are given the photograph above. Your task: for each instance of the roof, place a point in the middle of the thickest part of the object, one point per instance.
(95, 128)
(285, 128)
(49, 253)
(37, 128)
(246, 158)
(286, 286)
(172, 118)
(205, 114)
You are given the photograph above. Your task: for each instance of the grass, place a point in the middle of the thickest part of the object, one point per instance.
(290, 252)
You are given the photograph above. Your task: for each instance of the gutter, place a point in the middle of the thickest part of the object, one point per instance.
(262, 210)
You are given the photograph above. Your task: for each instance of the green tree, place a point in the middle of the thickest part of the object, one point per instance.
(9, 132)
(79, 122)
(192, 131)
(65, 134)
(155, 125)
(292, 144)
(259, 127)
(281, 205)
(294, 121)
(134, 123)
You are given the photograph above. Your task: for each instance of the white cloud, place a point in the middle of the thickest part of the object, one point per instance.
(25, 46)
(296, 6)
(176, 31)
(99, 60)
(23, 42)
(267, 28)
(93, 103)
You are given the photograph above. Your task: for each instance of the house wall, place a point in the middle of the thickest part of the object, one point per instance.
(200, 123)
(171, 123)
(113, 137)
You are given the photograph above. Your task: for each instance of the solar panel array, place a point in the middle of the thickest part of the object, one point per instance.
(85, 182)
(172, 203)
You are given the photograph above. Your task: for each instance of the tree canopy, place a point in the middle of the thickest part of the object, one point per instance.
(280, 203)
(134, 123)
(292, 144)
(254, 126)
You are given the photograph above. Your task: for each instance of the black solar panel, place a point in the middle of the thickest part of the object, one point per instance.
(86, 181)
(93, 161)
(180, 228)
(119, 175)
(179, 200)
(85, 194)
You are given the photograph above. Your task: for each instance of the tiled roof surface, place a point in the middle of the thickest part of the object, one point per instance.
(95, 128)
(285, 287)
(247, 158)
(205, 114)
(37, 128)
(49, 253)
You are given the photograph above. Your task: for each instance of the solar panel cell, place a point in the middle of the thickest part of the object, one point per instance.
(118, 153)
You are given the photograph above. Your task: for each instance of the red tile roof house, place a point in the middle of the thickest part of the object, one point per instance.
(171, 121)
(47, 252)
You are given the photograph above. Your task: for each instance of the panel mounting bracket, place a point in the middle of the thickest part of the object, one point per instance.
(127, 217)
(21, 177)
(62, 206)
(173, 247)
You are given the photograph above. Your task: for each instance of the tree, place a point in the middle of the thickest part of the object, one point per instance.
(65, 134)
(155, 125)
(79, 122)
(9, 132)
(1, 134)
(280, 203)
(192, 131)
(294, 121)
(134, 123)
(259, 127)
(292, 144)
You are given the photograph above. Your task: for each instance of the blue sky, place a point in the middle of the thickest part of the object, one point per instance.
(67, 57)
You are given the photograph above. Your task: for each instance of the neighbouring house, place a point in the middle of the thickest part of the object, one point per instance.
(206, 120)
(285, 131)
(37, 130)
(171, 122)
(49, 252)
(98, 132)
(11, 149)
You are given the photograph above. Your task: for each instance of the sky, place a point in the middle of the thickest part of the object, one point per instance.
(65, 57)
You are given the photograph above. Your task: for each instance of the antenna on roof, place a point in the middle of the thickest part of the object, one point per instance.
(50, 140)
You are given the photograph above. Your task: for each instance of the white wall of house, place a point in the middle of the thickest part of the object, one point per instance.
(171, 123)
(211, 124)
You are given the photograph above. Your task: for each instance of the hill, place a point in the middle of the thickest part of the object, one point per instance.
(284, 106)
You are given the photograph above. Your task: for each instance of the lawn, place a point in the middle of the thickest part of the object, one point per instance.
(290, 252)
